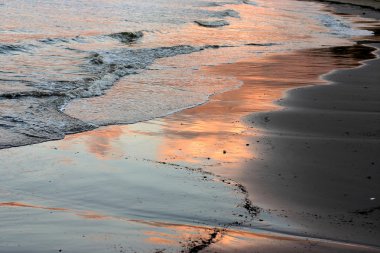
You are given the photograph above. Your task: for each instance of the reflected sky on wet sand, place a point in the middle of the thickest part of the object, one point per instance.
(164, 184)
(119, 182)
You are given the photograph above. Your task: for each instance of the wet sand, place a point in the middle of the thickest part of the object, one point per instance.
(312, 169)
(92, 188)
(301, 177)
(365, 3)
(321, 157)
(104, 200)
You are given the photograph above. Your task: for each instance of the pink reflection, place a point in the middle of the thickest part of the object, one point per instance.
(103, 142)
(216, 131)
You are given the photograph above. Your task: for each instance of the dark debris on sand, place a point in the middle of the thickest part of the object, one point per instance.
(197, 246)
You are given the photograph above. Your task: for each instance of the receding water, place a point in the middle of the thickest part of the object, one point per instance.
(71, 66)
(58, 57)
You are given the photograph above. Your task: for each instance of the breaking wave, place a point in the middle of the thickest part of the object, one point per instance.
(339, 27)
(11, 49)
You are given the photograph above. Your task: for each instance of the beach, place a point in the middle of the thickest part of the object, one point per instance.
(276, 151)
(375, 4)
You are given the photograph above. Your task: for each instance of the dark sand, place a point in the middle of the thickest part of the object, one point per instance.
(92, 188)
(113, 205)
(322, 156)
(315, 170)
(318, 162)
(312, 167)
(375, 4)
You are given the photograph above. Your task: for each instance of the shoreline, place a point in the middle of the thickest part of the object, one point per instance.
(335, 198)
(373, 4)
(211, 157)
(74, 123)
(267, 145)
(270, 146)
(238, 137)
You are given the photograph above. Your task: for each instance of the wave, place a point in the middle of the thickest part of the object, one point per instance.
(212, 24)
(36, 116)
(250, 2)
(215, 4)
(54, 40)
(226, 13)
(339, 27)
(13, 48)
(262, 44)
(106, 67)
(127, 37)
(112, 65)
(36, 94)
(222, 3)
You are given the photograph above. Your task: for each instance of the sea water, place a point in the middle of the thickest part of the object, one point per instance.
(71, 66)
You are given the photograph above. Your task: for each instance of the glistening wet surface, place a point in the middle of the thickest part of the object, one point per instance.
(146, 186)
(170, 184)
(100, 203)
(59, 58)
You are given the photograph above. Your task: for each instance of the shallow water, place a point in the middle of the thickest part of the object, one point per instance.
(139, 188)
(104, 198)
(55, 54)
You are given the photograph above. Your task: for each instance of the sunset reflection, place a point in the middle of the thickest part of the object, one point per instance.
(152, 232)
(101, 142)
(251, 28)
(214, 131)
(187, 237)
(84, 214)
(19, 204)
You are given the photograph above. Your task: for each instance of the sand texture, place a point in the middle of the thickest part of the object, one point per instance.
(324, 149)
(365, 3)
(288, 162)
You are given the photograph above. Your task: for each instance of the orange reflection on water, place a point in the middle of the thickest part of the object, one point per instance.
(211, 143)
(158, 240)
(242, 241)
(19, 204)
(186, 235)
(84, 214)
(214, 130)
(100, 142)
(157, 233)
(257, 24)
(175, 234)
(92, 215)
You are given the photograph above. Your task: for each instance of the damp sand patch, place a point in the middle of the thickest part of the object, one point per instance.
(101, 181)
